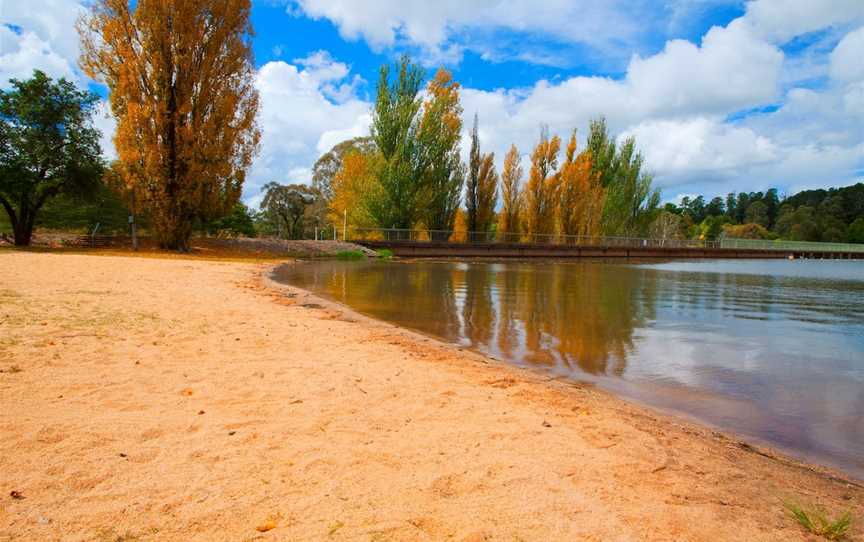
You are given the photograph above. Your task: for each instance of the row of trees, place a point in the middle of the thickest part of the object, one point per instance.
(833, 215)
(409, 173)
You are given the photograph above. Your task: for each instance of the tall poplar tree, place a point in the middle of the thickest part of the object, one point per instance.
(581, 196)
(487, 195)
(395, 129)
(473, 180)
(439, 134)
(181, 81)
(511, 193)
(541, 193)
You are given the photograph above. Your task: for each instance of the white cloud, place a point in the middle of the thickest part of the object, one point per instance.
(701, 147)
(107, 124)
(299, 121)
(609, 26)
(847, 63)
(781, 20)
(48, 39)
(21, 53)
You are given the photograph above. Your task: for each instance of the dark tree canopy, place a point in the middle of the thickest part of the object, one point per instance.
(48, 146)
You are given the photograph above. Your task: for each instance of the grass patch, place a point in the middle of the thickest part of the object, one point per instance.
(350, 255)
(816, 521)
(385, 253)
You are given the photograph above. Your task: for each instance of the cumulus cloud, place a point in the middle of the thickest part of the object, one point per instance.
(781, 20)
(846, 62)
(442, 29)
(39, 35)
(300, 119)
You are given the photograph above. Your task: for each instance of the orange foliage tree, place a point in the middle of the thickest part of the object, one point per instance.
(541, 194)
(511, 193)
(581, 195)
(180, 76)
(487, 193)
(353, 186)
(439, 134)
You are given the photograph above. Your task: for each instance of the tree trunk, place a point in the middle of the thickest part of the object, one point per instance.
(23, 230)
(176, 234)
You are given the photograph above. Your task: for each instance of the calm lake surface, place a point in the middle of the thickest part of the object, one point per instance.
(771, 350)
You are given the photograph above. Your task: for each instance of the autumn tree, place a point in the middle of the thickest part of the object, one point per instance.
(48, 147)
(511, 193)
(541, 193)
(395, 126)
(354, 187)
(487, 195)
(181, 81)
(439, 133)
(581, 196)
(329, 163)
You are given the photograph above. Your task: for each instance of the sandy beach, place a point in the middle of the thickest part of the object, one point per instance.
(180, 399)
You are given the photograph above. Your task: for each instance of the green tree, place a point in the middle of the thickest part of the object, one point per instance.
(631, 203)
(602, 149)
(473, 180)
(757, 213)
(240, 221)
(287, 205)
(48, 146)
(715, 207)
(855, 232)
(395, 130)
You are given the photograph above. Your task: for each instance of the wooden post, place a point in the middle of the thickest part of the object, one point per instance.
(133, 225)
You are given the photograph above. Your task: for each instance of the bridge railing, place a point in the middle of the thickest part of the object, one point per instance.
(463, 237)
(790, 246)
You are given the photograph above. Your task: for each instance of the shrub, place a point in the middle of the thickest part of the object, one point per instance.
(350, 255)
(818, 523)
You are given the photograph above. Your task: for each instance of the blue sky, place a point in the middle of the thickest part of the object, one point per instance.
(721, 95)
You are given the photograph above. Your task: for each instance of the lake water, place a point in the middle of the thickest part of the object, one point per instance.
(771, 350)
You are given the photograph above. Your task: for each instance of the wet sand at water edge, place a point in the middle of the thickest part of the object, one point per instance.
(179, 399)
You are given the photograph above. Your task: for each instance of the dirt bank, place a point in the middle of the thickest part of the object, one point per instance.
(170, 399)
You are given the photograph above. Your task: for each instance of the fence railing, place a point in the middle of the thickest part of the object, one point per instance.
(790, 246)
(462, 237)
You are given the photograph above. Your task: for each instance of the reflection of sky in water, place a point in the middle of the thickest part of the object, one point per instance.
(769, 349)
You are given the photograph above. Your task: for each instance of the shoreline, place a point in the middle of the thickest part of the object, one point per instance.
(180, 399)
(724, 436)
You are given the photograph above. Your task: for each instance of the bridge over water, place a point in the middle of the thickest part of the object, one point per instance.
(438, 243)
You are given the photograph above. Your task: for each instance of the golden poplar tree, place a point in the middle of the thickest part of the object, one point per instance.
(487, 194)
(541, 194)
(511, 195)
(181, 81)
(581, 194)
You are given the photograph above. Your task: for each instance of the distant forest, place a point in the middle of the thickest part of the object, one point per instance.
(832, 215)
